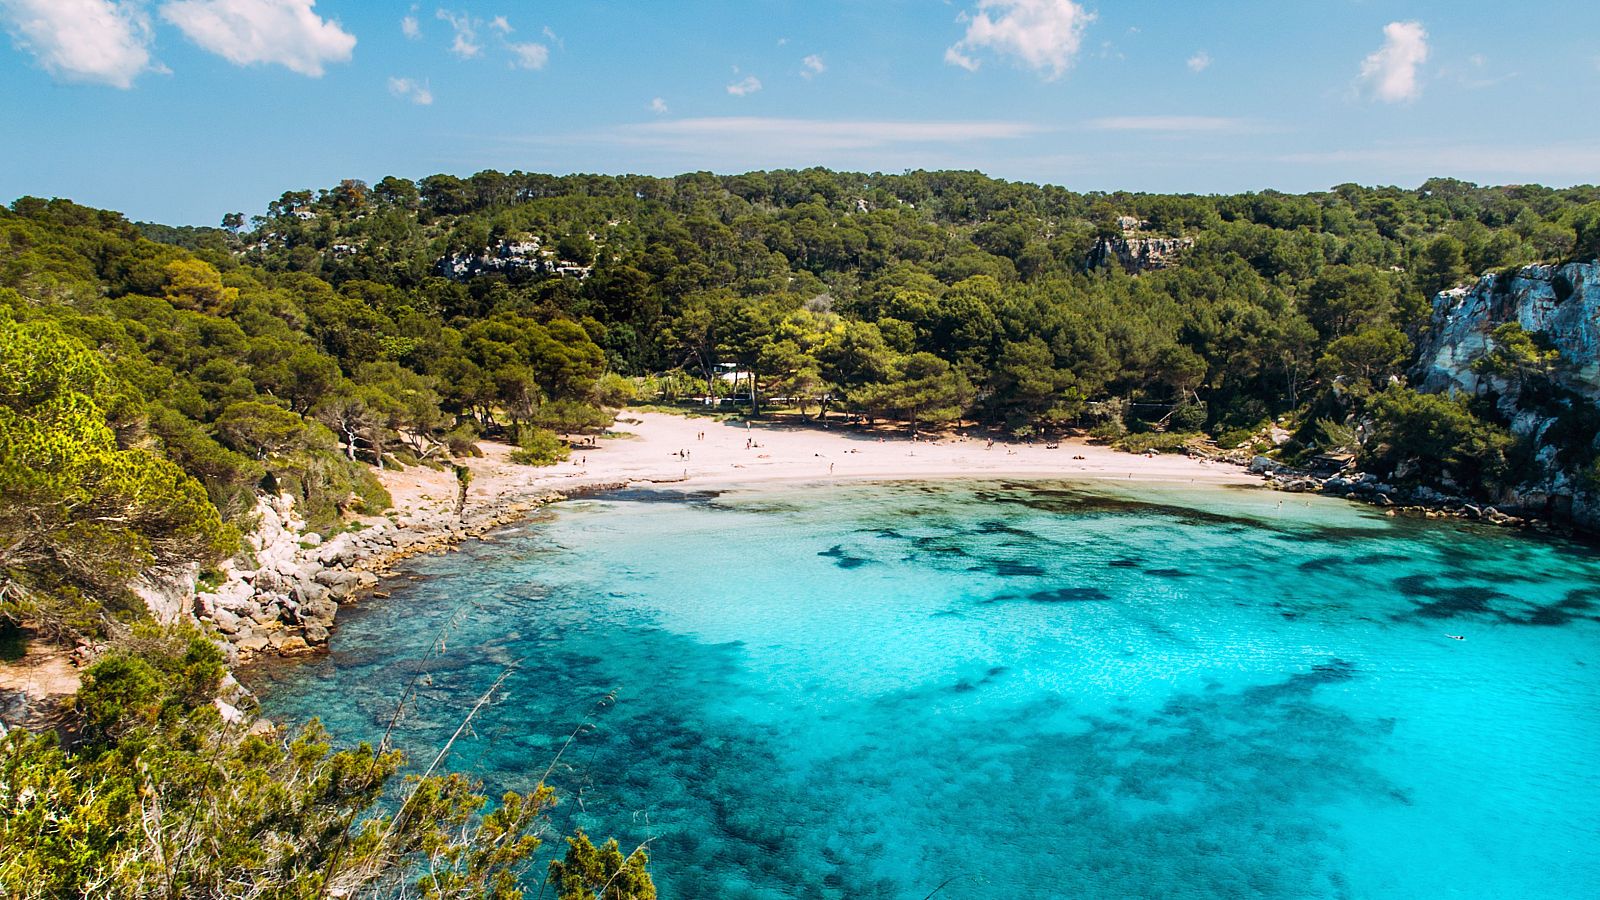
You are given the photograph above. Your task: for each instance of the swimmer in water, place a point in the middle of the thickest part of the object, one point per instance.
(1456, 637)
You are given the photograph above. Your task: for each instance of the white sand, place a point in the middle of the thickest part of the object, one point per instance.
(717, 456)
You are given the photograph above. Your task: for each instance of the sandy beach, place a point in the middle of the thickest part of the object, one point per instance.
(658, 448)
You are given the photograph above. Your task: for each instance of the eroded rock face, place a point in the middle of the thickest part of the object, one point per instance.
(1137, 255)
(168, 595)
(1561, 301)
(510, 257)
(283, 596)
(284, 604)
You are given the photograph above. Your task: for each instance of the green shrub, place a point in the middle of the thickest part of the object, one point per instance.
(540, 447)
(283, 813)
(373, 497)
(326, 484)
(615, 391)
(1235, 437)
(1109, 432)
(1188, 417)
(463, 440)
(569, 416)
(1158, 442)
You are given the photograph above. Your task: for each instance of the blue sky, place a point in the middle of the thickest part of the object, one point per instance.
(182, 110)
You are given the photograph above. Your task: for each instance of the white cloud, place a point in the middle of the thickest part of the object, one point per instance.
(466, 43)
(1391, 71)
(417, 93)
(955, 57)
(1168, 123)
(812, 66)
(1199, 62)
(251, 32)
(501, 24)
(658, 106)
(410, 28)
(82, 40)
(748, 85)
(529, 56)
(551, 35)
(1043, 35)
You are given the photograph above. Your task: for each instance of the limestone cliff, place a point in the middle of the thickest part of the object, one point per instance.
(1136, 254)
(522, 257)
(1562, 303)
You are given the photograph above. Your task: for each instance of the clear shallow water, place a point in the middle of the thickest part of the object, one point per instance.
(1014, 690)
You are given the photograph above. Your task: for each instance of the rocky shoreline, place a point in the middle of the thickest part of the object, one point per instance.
(286, 601)
(1364, 487)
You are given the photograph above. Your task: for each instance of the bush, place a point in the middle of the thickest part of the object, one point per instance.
(1245, 412)
(1158, 442)
(1188, 417)
(368, 493)
(1439, 435)
(326, 484)
(1109, 432)
(615, 391)
(463, 440)
(540, 447)
(282, 813)
(569, 416)
(1235, 437)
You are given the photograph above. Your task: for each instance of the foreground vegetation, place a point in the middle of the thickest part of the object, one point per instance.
(153, 380)
(160, 796)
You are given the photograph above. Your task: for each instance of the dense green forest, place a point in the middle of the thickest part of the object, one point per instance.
(158, 376)
(153, 379)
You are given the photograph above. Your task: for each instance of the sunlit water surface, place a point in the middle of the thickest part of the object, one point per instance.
(1012, 690)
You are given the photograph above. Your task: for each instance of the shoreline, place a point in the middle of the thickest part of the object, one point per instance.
(288, 607)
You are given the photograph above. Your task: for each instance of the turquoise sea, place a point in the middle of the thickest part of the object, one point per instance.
(995, 690)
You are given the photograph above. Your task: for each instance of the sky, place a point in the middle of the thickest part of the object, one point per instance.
(179, 111)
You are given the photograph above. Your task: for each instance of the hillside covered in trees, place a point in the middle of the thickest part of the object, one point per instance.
(923, 297)
(160, 376)
(155, 380)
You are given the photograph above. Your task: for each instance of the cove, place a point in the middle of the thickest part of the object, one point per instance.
(992, 689)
